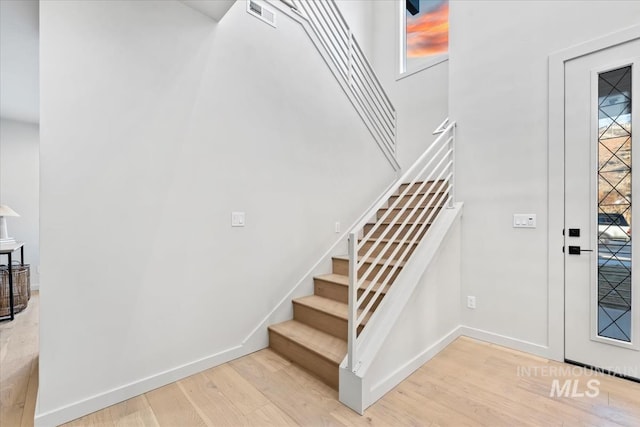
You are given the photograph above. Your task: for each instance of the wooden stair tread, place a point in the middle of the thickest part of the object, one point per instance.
(342, 280)
(417, 184)
(385, 241)
(339, 279)
(329, 306)
(400, 222)
(371, 260)
(421, 192)
(328, 346)
(409, 208)
(432, 196)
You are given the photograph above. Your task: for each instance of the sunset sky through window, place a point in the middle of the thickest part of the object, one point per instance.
(428, 31)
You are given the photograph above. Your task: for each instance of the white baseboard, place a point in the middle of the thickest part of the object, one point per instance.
(94, 403)
(35, 286)
(383, 387)
(505, 341)
(256, 340)
(111, 397)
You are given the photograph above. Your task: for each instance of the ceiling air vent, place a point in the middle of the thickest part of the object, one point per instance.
(259, 11)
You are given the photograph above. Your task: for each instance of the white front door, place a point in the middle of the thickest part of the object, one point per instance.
(602, 296)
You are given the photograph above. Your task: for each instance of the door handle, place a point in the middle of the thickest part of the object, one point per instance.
(576, 250)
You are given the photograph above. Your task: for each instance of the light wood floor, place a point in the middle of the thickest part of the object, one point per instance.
(19, 366)
(470, 383)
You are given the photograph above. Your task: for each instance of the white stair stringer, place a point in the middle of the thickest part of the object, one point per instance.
(381, 366)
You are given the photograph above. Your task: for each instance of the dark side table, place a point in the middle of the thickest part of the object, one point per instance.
(8, 249)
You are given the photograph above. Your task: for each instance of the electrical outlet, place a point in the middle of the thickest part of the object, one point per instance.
(471, 302)
(337, 227)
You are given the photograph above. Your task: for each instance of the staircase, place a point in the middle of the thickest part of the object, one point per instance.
(316, 338)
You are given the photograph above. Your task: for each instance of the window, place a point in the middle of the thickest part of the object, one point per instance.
(424, 34)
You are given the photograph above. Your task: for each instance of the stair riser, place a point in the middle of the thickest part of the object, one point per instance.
(320, 320)
(393, 229)
(409, 213)
(341, 293)
(324, 369)
(404, 201)
(341, 266)
(381, 247)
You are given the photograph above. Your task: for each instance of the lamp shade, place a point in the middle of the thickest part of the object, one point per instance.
(7, 211)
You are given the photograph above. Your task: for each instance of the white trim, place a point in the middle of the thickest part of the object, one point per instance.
(374, 392)
(356, 394)
(396, 377)
(505, 341)
(119, 394)
(401, 70)
(635, 213)
(633, 345)
(431, 62)
(401, 42)
(556, 183)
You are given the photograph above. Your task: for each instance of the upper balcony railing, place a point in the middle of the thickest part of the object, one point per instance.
(330, 32)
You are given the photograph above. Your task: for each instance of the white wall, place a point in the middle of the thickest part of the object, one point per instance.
(19, 77)
(421, 100)
(359, 17)
(19, 187)
(499, 83)
(157, 124)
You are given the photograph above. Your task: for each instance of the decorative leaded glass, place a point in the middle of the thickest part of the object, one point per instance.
(614, 204)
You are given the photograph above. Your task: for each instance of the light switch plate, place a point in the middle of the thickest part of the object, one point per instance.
(524, 221)
(237, 219)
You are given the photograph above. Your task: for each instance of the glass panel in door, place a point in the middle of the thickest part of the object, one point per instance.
(614, 204)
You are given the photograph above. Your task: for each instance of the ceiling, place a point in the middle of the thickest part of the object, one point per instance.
(19, 54)
(19, 70)
(214, 9)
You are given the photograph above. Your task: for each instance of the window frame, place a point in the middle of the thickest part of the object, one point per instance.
(401, 47)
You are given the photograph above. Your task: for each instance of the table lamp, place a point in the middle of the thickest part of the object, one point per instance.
(4, 236)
